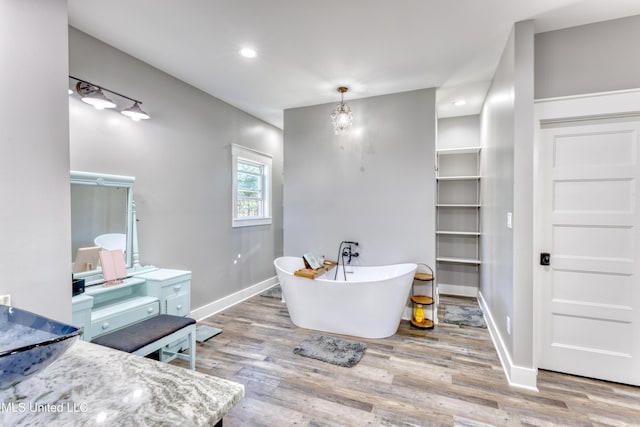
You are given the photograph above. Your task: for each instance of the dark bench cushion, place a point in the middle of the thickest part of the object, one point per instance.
(136, 336)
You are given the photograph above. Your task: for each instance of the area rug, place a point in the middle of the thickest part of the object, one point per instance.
(275, 292)
(464, 315)
(333, 350)
(204, 332)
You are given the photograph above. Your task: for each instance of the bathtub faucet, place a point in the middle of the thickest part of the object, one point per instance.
(348, 252)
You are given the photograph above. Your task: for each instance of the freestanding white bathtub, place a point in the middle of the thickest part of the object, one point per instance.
(368, 305)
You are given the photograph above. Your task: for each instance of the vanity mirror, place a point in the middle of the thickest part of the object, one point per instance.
(102, 216)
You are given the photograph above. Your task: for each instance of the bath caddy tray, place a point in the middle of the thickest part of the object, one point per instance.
(310, 273)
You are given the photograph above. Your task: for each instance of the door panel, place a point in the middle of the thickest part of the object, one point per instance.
(589, 207)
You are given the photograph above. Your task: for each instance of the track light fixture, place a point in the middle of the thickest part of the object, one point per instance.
(94, 95)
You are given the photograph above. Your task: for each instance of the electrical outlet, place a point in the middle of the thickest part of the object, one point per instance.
(5, 299)
(509, 325)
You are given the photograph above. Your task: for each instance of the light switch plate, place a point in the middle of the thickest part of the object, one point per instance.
(5, 299)
(509, 220)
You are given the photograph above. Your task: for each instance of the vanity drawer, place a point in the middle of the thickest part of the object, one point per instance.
(178, 305)
(179, 288)
(109, 319)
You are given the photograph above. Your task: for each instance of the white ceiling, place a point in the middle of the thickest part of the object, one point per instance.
(307, 48)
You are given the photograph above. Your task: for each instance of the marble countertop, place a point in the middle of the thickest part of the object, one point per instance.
(91, 385)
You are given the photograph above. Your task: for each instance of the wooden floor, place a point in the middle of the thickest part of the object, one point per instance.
(446, 376)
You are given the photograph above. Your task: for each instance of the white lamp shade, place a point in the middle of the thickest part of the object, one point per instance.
(93, 95)
(135, 113)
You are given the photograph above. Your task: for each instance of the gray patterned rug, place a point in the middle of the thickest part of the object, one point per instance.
(333, 350)
(204, 332)
(464, 315)
(275, 292)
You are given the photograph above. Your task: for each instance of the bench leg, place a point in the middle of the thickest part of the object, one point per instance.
(192, 353)
(191, 347)
(189, 332)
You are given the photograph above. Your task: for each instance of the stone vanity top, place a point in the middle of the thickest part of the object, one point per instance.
(91, 385)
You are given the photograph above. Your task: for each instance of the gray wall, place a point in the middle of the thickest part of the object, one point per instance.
(456, 132)
(35, 261)
(507, 167)
(181, 161)
(374, 186)
(590, 58)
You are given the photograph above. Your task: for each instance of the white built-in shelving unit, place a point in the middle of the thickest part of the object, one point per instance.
(458, 220)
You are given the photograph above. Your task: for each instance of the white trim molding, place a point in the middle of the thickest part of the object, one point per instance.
(587, 105)
(223, 303)
(457, 290)
(517, 376)
(264, 161)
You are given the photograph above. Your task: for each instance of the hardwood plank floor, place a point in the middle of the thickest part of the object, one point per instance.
(447, 376)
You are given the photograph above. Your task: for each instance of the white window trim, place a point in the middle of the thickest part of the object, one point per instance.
(240, 152)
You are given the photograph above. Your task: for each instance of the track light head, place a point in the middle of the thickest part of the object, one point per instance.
(135, 113)
(93, 95)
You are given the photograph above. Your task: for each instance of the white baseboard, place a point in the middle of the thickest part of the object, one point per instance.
(457, 290)
(217, 306)
(517, 376)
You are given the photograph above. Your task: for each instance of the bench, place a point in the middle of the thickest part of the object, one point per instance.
(154, 334)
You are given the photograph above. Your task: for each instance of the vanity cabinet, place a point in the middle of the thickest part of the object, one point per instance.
(81, 312)
(172, 288)
(103, 309)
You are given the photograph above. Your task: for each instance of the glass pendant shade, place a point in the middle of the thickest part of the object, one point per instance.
(342, 116)
(135, 113)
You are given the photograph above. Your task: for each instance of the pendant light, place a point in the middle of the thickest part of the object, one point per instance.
(342, 116)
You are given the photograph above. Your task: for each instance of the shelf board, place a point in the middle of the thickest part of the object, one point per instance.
(456, 205)
(458, 178)
(459, 233)
(426, 324)
(424, 277)
(459, 260)
(459, 150)
(422, 299)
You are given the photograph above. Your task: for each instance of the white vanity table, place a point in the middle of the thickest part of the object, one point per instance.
(104, 204)
(103, 309)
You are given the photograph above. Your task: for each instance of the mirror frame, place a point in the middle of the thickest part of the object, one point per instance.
(106, 180)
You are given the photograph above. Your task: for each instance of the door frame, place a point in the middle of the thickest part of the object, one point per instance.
(569, 108)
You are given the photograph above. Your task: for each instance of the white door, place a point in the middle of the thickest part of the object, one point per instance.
(590, 293)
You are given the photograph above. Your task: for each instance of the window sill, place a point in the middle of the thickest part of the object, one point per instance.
(250, 222)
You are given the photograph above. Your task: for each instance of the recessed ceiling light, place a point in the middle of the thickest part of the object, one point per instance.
(248, 52)
(460, 103)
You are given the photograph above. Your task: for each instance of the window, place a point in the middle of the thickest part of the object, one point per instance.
(251, 187)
